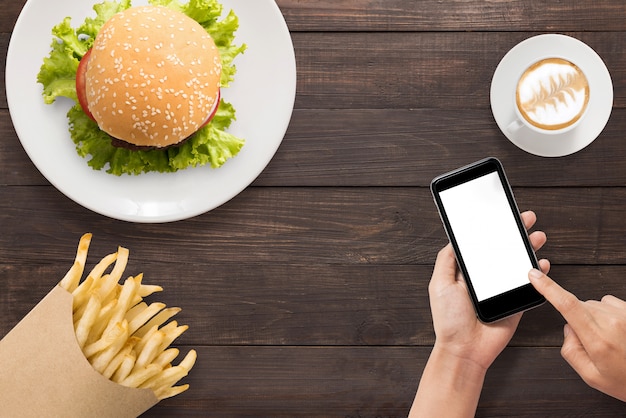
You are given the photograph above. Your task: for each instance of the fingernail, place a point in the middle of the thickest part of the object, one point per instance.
(566, 330)
(535, 274)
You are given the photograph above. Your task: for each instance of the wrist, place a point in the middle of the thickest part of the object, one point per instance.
(448, 376)
(458, 364)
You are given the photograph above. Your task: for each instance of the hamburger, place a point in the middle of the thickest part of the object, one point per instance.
(147, 85)
(151, 87)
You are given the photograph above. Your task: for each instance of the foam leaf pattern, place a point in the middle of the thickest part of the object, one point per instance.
(557, 91)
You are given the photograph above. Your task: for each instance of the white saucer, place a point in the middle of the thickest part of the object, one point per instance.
(600, 100)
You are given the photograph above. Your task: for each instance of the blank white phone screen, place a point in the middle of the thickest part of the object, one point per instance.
(487, 235)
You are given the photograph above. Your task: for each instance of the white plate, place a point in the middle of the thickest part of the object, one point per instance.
(600, 100)
(263, 95)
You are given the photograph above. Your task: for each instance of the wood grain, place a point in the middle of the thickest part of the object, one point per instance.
(307, 294)
(318, 305)
(401, 70)
(432, 15)
(390, 226)
(429, 15)
(372, 382)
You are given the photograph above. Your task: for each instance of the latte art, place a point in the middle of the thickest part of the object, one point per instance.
(552, 94)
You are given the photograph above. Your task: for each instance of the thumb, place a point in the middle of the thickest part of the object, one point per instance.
(444, 271)
(577, 357)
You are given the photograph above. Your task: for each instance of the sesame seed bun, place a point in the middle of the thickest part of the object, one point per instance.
(153, 76)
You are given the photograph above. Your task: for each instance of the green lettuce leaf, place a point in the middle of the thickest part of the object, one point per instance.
(223, 34)
(205, 12)
(210, 145)
(58, 72)
(104, 11)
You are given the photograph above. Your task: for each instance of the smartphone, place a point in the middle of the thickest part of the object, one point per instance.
(491, 244)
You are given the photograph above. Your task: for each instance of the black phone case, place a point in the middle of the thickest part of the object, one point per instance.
(504, 304)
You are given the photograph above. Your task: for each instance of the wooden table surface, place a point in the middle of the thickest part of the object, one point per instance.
(306, 294)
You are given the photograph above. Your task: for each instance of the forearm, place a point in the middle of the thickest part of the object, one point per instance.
(449, 387)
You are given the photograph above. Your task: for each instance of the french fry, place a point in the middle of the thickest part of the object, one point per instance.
(171, 391)
(137, 377)
(120, 265)
(146, 315)
(108, 286)
(142, 342)
(163, 383)
(72, 277)
(167, 357)
(135, 310)
(157, 320)
(81, 293)
(116, 361)
(166, 378)
(189, 360)
(125, 368)
(146, 290)
(101, 322)
(109, 338)
(99, 269)
(124, 338)
(123, 303)
(87, 320)
(174, 333)
(151, 350)
(101, 360)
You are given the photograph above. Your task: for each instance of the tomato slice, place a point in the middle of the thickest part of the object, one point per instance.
(213, 111)
(81, 88)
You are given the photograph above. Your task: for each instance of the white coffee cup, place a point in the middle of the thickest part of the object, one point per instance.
(551, 97)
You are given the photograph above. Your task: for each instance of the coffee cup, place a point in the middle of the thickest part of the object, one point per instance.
(551, 97)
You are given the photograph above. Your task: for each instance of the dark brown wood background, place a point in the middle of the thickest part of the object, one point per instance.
(306, 295)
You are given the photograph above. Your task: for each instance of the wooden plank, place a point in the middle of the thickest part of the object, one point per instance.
(8, 17)
(286, 219)
(15, 166)
(538, 382)
(299, 382)
(310, 225)
(429, 15)
(455, 15)
(417, 69)
(287, 304)
(339, 381)
(411, 147)
(386, 147)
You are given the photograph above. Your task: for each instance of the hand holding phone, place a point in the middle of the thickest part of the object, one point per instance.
(481, 218)
(464, 347)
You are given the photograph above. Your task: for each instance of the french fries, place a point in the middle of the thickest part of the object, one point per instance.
(123, 337)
